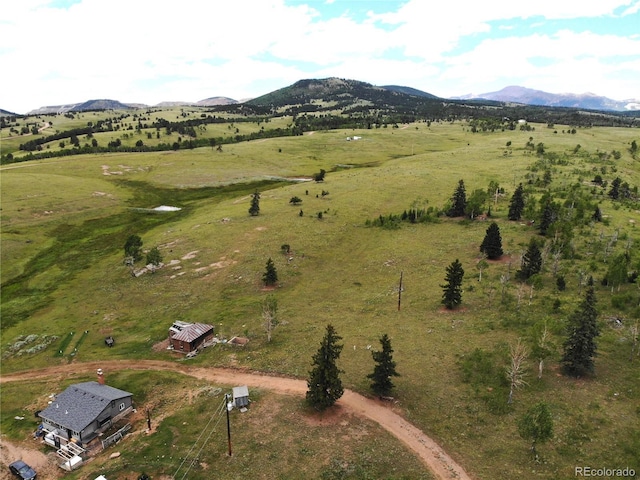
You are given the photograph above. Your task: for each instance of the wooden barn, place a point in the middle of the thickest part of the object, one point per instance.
(188, 337)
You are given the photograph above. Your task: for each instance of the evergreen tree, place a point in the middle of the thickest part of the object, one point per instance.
(324, 384)
(492, 244)
(384, 369)
(531, 262)
(580, 346)
(133, 248)
(458, 201)
(452, 290)
(254, 209)
(319, 177)
(516, 205)
(547, 217)
(597, 214)
(270, 276)
(614, 192)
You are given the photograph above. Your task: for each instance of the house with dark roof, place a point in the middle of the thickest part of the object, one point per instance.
(188, 337)
(83, 411)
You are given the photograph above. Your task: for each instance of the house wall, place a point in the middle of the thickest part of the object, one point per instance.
(200, 340)
(114, 409)
(186, 347)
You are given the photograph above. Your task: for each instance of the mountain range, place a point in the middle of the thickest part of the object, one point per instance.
(304, 91)
(528, 96)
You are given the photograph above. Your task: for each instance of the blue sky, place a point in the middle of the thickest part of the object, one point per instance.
(66, 51)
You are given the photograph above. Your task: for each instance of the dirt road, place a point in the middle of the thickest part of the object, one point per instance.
(431, 454)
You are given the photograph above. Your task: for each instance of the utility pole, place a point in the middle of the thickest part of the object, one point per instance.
(400, 292)
(229, 407)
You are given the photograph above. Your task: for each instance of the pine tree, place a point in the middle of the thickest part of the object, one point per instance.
(492, 244)
(614, 192)
(531, 262)
(597, 214)
(516, 205)
(324, 384)
(452, 290)
(547, 217)
(270, 276)
(580, 346)
(384, 369)
(458, 201)
(254, 209)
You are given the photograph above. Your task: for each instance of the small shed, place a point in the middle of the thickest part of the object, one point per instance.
(188, 337)
(241, 396)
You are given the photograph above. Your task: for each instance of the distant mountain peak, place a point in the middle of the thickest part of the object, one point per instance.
(341, 91)
(529, 96)
(98, 104)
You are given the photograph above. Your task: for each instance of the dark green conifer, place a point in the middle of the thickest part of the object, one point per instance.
(458, 201)
(270, 276)
(324, 384)
(531, 262)
(452, 290)
(254, 209)
(384, 369)
(492, 244)
(516, 205)
(580, 346)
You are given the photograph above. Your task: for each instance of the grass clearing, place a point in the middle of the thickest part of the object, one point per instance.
(340, 271)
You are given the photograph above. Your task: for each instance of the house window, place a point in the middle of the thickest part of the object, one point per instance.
(122, 406)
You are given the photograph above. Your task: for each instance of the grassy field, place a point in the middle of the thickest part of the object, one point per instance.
(125, 128)
(64, 222)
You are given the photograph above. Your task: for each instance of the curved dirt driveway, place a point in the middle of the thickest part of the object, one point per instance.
(431, 454)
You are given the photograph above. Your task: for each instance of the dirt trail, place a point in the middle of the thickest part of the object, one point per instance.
(431, 454)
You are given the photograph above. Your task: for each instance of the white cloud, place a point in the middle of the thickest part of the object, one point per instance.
(139, 52)
(632, 10)
(576, 63)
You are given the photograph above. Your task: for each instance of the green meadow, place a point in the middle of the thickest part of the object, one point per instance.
(65, 221)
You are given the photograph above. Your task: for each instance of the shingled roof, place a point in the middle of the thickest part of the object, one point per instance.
(80, 404)
(190, 332)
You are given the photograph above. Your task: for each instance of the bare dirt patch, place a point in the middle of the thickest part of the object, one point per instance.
(331, 416)
(161, 346)
(44, 465)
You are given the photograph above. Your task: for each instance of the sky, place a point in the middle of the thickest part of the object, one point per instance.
(55, 52)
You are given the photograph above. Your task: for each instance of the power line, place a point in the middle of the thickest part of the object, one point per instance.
(204, 443)
(218, 413)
